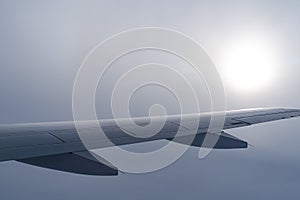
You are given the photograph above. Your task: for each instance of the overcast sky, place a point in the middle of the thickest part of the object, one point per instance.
(43, 44)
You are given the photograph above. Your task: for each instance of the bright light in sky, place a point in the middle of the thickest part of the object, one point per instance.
(248, 65)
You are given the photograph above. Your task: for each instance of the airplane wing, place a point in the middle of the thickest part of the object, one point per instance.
(57, 145)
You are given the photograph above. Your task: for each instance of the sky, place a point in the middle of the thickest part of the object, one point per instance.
(43, 44)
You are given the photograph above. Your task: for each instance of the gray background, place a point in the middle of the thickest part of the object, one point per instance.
(44, 42)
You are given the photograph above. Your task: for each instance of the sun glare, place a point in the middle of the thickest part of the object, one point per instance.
(248, 65)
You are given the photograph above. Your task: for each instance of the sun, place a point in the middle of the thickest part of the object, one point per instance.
(248, 65)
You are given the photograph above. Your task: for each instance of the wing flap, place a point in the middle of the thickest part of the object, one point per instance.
(225, 141)
(73, 163)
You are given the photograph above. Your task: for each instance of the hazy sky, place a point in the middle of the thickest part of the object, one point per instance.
(43, 44)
